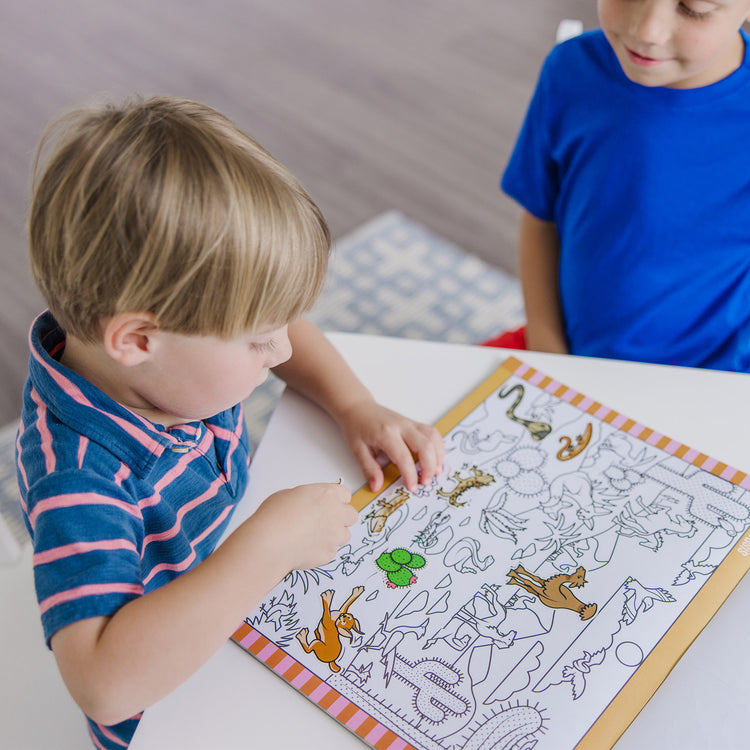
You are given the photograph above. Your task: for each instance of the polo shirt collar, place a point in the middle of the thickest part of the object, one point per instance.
(74, 401)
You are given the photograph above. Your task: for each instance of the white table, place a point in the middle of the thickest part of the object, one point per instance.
(235, 702)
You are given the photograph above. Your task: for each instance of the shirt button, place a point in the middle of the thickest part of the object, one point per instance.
(179, 448)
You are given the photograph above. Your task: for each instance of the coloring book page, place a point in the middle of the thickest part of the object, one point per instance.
(534, 596)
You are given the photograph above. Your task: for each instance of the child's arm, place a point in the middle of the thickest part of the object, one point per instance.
(116, 666)
(318, 371)
(539, 256)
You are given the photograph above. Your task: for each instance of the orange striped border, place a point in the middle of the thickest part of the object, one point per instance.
(365, 726)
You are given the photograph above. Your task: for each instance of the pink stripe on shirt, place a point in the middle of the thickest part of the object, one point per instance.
(83, 443)
(80, 498)
(44, 432)
(223, 433)
(169, 533)
(91, 589)
(72, 390)
(95, 740)
(188, 560)
(179, 468)
(122, 474)
(233, 437)
(111, 737)
(21, 469)
(77, 548)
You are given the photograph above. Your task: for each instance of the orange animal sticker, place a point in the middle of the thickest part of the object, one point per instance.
(333, 626)
(555, 592)
(570, 448)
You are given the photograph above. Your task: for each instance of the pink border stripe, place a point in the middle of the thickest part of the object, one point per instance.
(569, 395)
(709, 464)
(338, 705)
(745, 483)
(585, 403)
(636, 429)
(284, 664)
(267, 651)
(522, 369)
(320, 692)
(619, 421)
(602, 412)
(375, 734)
(398, 744)
(301, 678)
(672, 446)
(691, 455)
(249, 639)
(728, 473)
(356, 721)
(537, 377)
(654, 438)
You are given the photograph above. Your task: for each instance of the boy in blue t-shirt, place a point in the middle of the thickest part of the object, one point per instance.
(635, 239)
(176, 257)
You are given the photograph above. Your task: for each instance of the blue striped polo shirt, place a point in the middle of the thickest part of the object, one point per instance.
(116, 506)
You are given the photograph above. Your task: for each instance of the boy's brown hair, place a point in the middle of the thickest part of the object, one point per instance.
(162, 205)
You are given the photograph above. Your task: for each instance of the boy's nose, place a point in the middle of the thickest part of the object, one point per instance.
(283, 349)
(651, 21)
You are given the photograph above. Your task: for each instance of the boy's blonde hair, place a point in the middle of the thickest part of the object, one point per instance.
(164, 206)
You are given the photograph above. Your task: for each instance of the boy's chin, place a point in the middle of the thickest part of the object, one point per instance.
(261, 379)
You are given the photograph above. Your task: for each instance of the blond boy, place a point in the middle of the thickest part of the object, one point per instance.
(176, 257)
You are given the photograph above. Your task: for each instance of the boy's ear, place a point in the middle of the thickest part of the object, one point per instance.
(129, 337)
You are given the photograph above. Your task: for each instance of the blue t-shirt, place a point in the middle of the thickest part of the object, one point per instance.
(115, 505)
(650, 191)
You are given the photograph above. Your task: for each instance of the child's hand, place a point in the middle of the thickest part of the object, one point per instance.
(370, 429)
(319, 372)
(306, 525)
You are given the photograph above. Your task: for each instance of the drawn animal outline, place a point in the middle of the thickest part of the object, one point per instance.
(473, 442)
(438, 525)
(333, 626)
(650, 523)
(379, 515)
(486, 619)
(537, 430)
(555, 591)
(477, 478)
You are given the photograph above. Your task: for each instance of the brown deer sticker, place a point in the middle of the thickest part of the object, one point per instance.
(555, 591)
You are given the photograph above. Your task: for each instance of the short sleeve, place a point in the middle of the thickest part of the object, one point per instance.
(87, 534)
(531, 177)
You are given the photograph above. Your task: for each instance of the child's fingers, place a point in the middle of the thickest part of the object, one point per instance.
(400, 453)
(430, 450)
(426, 445)
(370, 467)
(350, 514)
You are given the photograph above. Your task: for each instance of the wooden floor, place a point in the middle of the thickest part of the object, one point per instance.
(373, 104)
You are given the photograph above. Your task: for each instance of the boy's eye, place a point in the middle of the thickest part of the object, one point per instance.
(696, 15)
(264, 346)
